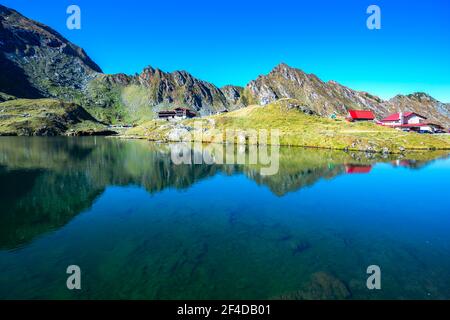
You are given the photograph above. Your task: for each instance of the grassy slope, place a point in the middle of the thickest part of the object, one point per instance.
(44, 117)
(298, 129)
(6, 97)
(116, 104)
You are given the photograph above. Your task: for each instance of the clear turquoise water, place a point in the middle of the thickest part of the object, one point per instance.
(140, 227)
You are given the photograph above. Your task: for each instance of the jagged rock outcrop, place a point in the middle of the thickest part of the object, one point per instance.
(324, 98)
(153, 90)
(234, 96)
(36, 61)
(181, 88)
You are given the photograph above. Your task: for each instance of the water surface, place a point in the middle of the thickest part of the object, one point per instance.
(141, 227)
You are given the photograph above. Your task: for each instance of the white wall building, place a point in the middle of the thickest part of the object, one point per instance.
(403, 118)
(410, 121)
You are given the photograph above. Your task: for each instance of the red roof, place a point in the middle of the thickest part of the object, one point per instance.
(396, 116)
(361, 114)
(358, 169)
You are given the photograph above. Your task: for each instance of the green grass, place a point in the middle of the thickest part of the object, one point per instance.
(299, 129)
(44, 117)
(136, 100)
(6, 97)
(22, 115)
(116, 104)
(86, 128)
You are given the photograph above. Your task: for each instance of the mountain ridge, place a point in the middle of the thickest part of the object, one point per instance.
(38, 62)
(332, 97)
(41, 62)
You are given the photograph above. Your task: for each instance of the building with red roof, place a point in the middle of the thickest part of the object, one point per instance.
(410, 121)
(402, 118)
(361, 115)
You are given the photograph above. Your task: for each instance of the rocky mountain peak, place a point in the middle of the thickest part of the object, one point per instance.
(421, 96)
(20, 35)
(121, 79)
(415, 97)
(282, 67)
(36, 61)
(40, 60)
(285, 71)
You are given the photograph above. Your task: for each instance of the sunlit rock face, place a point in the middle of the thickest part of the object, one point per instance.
(40, 60)
(326, 98)
(37, 61)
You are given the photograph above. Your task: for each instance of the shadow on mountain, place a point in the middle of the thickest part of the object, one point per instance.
(45, 182)
(13, 80)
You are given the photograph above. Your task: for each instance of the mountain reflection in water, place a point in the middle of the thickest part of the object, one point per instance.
(50, 180)
(46, 182)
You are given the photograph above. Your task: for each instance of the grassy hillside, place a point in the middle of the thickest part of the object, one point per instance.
(45, 117)
(5, 97)
(296, 129)
(117, 103)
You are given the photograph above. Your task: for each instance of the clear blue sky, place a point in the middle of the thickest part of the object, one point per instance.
(232, 42)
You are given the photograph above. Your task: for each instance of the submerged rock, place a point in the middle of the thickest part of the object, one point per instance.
(322, 286)
(300, 247)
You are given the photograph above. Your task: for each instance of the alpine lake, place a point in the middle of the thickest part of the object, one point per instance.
(140, 226)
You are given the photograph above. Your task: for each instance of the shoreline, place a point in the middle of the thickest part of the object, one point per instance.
(294, 128)
(406, 150)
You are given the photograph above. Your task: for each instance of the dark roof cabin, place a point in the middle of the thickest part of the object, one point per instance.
(177, 113)
(184, 113)
(166, 114)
